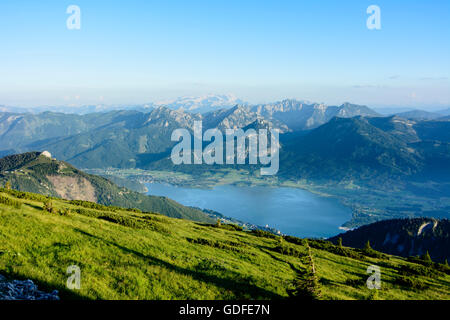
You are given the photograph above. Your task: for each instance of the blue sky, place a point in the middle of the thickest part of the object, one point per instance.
(141, 51)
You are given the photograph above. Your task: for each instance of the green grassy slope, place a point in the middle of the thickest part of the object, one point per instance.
(131, 255)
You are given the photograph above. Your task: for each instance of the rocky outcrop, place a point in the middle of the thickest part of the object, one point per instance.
(23, 290)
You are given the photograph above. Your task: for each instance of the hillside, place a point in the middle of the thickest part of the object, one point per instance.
(403, 237)
(419, 115)
(128, 142)
(35, 172)
(445, 112)
(347, 148)
(132, 255)
(18, 130)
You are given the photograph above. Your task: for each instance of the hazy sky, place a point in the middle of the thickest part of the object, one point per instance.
(141, 51)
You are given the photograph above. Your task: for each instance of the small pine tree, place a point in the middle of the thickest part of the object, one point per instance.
(445, 263)
(218, 223)
(64, 212)
(339, 243)
(426, 257)
(48, 206)
(367, 247)
(8, 185)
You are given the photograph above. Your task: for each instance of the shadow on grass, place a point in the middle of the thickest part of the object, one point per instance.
(328, 282)
(241, 288)
(292, 266)
(33, 206)
(347, 264)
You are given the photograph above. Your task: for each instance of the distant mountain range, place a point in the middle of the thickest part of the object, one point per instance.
(403, 237)
(87, 133)
(213, 102)
(80, 110)
(381, 166)
(402, 111)
(445, 112)
(38, 173)
(200, 104)
(353, 141)
(419, 115)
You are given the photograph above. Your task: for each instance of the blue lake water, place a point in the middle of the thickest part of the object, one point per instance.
(292, 211)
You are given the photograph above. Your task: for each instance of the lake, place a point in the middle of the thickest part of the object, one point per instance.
(292, 211)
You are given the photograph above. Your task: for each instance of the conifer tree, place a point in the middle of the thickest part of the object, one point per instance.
(367, 247)
(426, 257)
(48, 206)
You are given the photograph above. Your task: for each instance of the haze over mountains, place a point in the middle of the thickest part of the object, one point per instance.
(194, 104)
(200, 104)
(420, 115)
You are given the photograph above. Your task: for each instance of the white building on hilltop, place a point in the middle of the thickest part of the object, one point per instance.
(46, 154)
